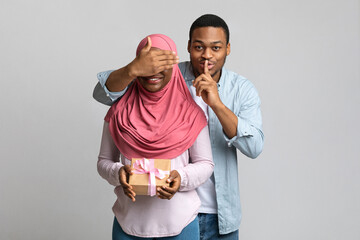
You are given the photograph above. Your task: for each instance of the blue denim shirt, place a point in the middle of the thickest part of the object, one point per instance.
(241, 97)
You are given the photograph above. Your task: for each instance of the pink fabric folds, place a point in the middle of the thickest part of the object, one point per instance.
(161, 124)
(146, 166)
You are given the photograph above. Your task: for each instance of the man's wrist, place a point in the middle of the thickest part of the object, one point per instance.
(130, 71)
(218, 106)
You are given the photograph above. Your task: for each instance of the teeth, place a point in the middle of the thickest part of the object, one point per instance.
(153, 79)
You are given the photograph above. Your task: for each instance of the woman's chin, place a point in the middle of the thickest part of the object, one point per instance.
(152, 88)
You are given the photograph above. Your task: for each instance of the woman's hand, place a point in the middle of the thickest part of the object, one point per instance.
(168, 192)
(124, 173)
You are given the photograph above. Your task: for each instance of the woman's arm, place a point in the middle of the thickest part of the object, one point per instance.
(195, 173)
(201, 165)
(108, 164)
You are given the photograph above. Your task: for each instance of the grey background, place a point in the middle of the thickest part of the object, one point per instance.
(303, 57)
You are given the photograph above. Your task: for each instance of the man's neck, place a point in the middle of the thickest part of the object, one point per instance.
(217, 78)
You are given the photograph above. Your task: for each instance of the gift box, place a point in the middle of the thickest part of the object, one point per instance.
(148, 174)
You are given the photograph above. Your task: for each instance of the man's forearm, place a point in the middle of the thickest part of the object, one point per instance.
(147, 63)
(119, 79)
(251, 145)
(227, 118)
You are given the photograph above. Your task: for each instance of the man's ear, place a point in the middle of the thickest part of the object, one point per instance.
(189, 46)
(228, 49)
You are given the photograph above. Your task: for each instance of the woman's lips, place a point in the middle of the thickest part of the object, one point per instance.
(153, 80)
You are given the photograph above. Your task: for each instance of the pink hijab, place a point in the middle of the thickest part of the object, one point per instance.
(161, 124)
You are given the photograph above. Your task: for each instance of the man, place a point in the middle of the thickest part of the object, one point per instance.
(231, 104)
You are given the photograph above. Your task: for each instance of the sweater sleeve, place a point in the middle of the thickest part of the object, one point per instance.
(108, 164)
(201, 164)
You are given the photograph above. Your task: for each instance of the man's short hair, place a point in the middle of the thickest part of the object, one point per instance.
(210, 20)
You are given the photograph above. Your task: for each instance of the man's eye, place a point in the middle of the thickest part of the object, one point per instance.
(216, 48)
(198, 47)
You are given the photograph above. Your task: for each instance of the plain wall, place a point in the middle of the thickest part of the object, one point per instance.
(302, 56)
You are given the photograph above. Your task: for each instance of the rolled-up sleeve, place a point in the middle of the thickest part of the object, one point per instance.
(249, 138)
(102, 77)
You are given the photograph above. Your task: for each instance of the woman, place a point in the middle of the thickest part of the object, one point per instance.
(156, 118)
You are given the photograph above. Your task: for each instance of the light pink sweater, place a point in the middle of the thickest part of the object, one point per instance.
(151, 216)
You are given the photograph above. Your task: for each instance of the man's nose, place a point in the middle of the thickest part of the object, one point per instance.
(207, 53)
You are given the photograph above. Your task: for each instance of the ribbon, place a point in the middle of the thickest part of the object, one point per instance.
(146, 166)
